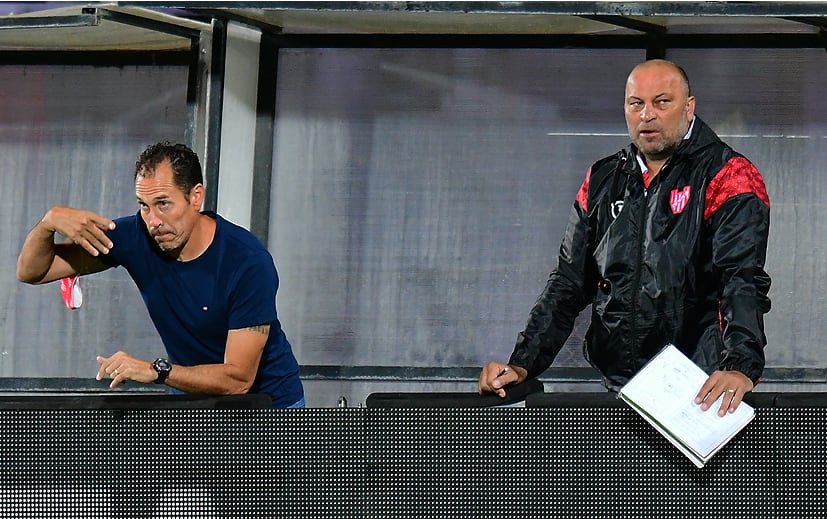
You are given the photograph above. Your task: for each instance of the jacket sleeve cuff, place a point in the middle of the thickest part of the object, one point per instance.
(752, 372)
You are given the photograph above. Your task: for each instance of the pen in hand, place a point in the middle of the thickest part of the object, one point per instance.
(497, 384)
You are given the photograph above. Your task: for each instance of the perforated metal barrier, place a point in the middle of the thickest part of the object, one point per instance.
(569, 462)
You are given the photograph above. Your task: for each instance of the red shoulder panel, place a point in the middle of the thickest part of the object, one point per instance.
(583, 194)
(737, 177)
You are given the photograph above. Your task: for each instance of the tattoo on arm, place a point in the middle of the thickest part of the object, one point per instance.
(263, 329)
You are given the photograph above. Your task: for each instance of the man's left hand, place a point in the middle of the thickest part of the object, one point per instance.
(122, 367)
(732, 384)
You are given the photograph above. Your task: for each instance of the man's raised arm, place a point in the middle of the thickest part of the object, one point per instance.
(41, 260)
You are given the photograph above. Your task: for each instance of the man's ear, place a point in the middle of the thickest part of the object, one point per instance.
(197, 195)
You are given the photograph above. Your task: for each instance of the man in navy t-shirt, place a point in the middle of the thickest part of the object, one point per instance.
(209, 285)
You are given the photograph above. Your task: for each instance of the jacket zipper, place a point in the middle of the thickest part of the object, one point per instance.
(638, 264)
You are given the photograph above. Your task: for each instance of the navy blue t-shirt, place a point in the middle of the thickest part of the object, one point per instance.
(194, 304)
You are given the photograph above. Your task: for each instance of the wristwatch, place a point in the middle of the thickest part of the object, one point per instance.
(162, 367)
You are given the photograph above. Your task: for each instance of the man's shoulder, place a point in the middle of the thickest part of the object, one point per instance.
(707, 154)
(131, 229)
(240, 242)
(128, 221)
(242, 260)
(708, 162)
(607, 167)
(128, 227)
(127, 237)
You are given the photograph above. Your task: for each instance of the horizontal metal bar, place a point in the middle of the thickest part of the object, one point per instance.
(552, 375)
(72, 385)
(577, 375)
(150, 24)
(628, 23)
(681, 8)
(429, 374)
(540, 41)
(46, 22)
(114, 58)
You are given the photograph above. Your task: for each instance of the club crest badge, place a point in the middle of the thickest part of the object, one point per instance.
(678, 199)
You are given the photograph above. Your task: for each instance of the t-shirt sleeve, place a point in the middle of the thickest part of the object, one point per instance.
(123, 243)
(253, 300)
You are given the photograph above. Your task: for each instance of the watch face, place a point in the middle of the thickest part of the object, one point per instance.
(162, 367)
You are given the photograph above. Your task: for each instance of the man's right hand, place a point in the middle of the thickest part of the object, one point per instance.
(41, 260)
(496, 375)
(84, 228)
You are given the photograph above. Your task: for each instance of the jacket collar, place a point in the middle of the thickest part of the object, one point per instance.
(699, 136)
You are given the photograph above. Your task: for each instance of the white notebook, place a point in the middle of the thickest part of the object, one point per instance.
(663, 392)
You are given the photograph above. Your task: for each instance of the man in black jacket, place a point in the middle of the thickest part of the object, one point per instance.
(667, 241)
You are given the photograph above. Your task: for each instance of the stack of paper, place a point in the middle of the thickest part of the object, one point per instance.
(664, 392)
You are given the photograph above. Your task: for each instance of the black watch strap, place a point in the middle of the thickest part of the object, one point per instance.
(162, 367)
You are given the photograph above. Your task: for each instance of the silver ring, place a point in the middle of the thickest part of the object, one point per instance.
(116, 371)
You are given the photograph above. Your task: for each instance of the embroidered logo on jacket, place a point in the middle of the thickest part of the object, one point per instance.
(616, 207)
(678, 199)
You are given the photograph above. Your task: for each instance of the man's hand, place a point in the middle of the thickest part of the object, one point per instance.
(83, 228)
(732, 384)
(122, 367)
(495, 376)
(42, 260)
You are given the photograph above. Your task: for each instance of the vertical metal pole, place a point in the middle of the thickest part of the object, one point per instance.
(215, 105)
(265, 132)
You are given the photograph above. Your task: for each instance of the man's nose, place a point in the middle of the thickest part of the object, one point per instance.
(154, 220)
(647, 114)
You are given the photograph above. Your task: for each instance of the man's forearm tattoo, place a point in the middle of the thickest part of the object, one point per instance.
(263, 329)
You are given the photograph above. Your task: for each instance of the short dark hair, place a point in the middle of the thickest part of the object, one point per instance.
(186, 168)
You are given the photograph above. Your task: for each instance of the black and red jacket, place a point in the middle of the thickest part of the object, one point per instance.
(680, 261)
